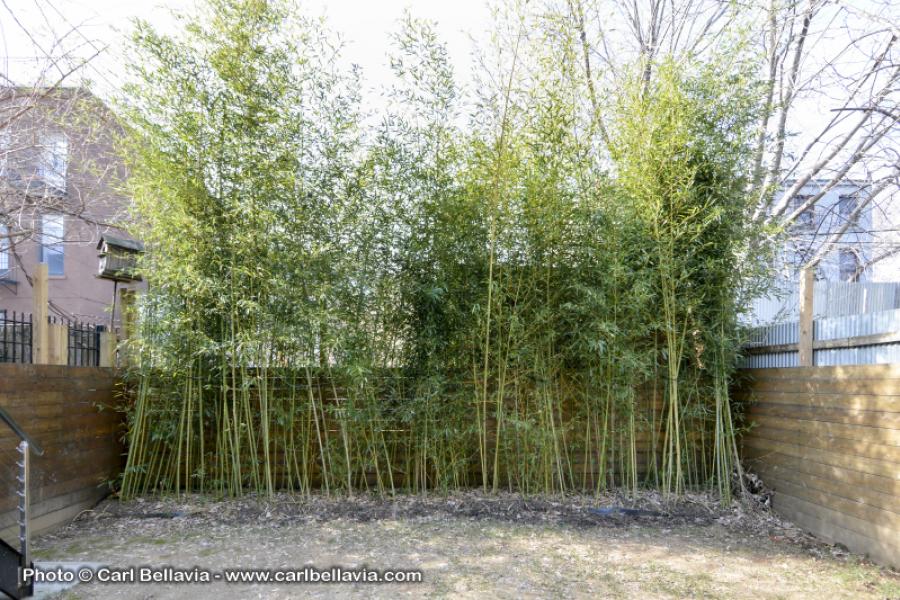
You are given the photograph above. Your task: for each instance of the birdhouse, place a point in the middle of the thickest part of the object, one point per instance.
(118, 258)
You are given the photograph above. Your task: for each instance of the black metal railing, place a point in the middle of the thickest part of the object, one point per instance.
(15, 337)
(13, 560)
(84, 344)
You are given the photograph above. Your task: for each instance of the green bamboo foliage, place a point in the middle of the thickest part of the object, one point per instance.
(420, 304)
(681, 170)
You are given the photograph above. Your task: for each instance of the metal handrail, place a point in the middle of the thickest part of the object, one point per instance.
(34, 446)
(24, 506)
(27, 445)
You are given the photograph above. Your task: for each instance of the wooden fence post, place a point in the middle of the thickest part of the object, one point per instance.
(107, 349)
(805, 343)
(126, 306)
(40, 334)
(129, 326)
(58, 344)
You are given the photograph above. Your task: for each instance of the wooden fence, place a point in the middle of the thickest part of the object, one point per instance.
(71, 412)
(827, 440)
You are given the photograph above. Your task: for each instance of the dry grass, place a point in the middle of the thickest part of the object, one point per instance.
(470, 546)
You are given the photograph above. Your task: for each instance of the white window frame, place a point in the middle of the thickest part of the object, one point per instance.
(54, 163)
(842, 260)
(5, 149)
(847, 204)
(53, 243)
(806, 220)
(4, 250)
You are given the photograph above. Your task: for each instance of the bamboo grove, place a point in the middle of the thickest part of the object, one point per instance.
(500, 288)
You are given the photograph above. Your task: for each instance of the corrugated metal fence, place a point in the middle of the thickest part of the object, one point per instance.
(860, 339)
(831, 299)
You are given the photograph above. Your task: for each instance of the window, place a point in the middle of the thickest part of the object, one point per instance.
(54, 160)
(846, 206)
(5, 147)
(806, 219)
(849, 265)
(52, 236)
(4, 251)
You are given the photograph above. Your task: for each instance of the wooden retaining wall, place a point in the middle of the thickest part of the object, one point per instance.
(827, 440)
(71, 412)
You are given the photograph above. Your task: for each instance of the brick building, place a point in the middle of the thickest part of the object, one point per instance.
(60, 182)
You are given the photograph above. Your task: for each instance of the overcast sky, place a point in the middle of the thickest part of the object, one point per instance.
(364, 26)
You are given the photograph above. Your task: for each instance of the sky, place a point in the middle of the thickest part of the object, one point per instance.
(364, 26)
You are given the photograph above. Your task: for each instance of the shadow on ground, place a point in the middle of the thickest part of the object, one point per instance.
(466, 545)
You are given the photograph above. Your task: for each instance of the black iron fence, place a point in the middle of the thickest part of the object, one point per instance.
(84, 344)
(82, 340)
(15, 337)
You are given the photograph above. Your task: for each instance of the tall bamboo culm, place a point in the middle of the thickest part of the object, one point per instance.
(514, 305)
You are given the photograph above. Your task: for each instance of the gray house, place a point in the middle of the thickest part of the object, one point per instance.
(849, 260)
(851, 278)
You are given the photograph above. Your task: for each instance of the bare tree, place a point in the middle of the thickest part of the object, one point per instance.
(839, 59)
(47, 116)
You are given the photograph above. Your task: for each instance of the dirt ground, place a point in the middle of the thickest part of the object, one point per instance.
(467, 546)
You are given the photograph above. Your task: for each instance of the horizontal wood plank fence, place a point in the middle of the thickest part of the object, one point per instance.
(71, 412)
(827, 440)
